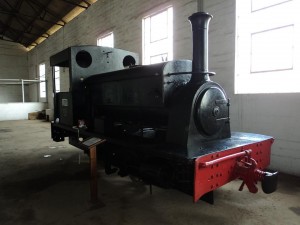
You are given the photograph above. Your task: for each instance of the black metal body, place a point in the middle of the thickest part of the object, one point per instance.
(156, 119)
(85, 61)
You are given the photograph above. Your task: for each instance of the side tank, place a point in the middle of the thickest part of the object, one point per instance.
(177, 97)
(140, 93)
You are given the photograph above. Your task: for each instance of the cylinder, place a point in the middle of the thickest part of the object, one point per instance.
(200, 24)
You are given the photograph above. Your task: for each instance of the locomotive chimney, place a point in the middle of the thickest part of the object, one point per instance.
(200, 23)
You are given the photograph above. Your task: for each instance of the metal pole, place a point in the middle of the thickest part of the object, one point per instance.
(200, 5)
(93, 168)
(33, 81)
(10, 80)
(23, 96)
(18, 80)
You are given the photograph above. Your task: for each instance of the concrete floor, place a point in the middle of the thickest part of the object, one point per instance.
(35, 189)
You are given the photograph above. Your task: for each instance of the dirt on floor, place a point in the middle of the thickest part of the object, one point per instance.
(43, 182)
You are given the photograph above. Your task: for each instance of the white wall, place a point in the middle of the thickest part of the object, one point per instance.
(13, 65)
(276, 115)
(273, 114)
(19, 111)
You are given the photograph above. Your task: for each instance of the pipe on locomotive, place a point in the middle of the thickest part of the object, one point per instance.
(200, 24)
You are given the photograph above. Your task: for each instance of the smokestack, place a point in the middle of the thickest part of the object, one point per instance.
(200, 24)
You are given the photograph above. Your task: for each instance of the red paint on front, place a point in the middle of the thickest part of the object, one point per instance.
(209, 178)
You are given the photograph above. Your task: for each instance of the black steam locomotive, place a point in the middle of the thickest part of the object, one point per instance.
(167, 124)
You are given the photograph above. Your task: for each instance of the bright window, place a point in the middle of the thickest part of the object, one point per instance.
(57, 78)
(158, 37)
(106, 40)
(42, 78)
(267, 46)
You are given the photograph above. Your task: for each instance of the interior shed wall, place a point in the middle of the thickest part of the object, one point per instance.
(14, 65)
(19, 111)
(125, 19)
(271, 114)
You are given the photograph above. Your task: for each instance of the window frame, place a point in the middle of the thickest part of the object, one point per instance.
(42, 79)
(147, 36)
(57, 79)
(249, 22)
(106, 35)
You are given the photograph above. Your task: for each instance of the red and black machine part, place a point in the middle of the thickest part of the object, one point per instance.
(167, 124)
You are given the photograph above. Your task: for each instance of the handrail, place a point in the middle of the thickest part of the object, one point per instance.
(224, 158)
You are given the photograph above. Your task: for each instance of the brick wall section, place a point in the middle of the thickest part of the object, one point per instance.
(276, 115)
(13, 65)
(124, 18)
